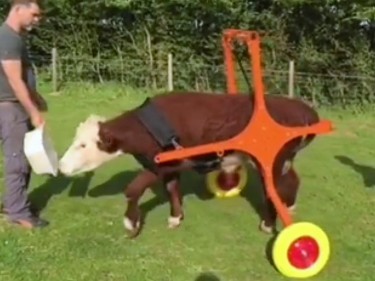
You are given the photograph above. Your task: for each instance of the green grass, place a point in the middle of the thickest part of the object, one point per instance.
(86, 239)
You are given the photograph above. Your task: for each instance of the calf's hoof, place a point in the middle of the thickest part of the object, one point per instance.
(174, 222)
(266, 229)
(131, 228)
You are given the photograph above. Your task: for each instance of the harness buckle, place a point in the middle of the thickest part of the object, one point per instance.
(176, 144)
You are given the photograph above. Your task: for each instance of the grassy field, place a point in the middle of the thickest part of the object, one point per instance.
(218, 240)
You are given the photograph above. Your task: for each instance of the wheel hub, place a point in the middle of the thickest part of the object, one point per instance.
(303, 252)
(228, 181)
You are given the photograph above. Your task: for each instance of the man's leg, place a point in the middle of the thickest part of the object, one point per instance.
(14, 125)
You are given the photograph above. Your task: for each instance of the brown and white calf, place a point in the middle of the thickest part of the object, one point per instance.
(197, 118)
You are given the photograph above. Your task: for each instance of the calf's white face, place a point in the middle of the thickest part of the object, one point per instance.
(83, 155)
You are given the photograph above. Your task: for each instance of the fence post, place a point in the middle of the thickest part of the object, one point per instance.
(54, 70)
(291, 79)
(170, 72)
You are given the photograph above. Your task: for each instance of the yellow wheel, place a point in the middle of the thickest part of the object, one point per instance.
(227, 185)
(301, 250)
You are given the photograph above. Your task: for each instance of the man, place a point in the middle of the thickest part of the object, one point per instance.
(18, 111)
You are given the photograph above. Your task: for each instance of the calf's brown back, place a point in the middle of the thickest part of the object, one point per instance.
(200, 118)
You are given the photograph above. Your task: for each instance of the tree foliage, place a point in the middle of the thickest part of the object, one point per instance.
(99, 39)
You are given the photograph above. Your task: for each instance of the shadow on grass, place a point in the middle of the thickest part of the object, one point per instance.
(40, 196)
(269, 248)
(207, 276)
(114, 186)
(191, 184)
(367, 172)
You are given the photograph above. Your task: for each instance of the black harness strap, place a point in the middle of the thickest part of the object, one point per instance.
(160, 129)
(145, 162)
(157, 125)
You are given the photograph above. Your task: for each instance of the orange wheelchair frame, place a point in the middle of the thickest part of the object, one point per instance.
(301, 249)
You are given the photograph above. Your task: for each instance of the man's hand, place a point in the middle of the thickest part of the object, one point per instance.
(37, 119)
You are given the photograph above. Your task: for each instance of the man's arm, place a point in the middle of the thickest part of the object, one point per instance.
(10, 58)
(38, 100)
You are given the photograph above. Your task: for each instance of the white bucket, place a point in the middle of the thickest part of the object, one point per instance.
(40, 152)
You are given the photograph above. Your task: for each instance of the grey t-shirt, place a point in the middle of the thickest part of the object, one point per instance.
(12, 46)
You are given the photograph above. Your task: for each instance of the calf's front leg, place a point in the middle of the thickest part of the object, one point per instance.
(133, 192)
(176, 216)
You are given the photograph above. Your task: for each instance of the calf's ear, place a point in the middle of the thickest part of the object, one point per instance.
(107, 141)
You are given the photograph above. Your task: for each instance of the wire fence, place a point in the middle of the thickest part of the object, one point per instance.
(173, 74)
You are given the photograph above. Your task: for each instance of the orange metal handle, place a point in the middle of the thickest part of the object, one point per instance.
(322, 127)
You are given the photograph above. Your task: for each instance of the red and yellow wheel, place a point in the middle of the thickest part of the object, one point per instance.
(301, 250)
(224, 185)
